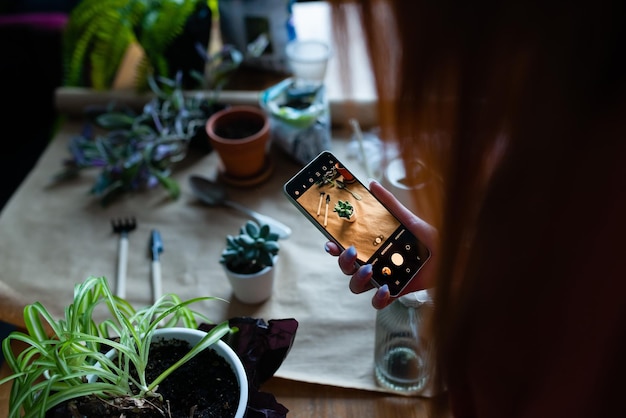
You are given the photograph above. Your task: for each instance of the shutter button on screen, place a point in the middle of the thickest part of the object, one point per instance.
(397, 259)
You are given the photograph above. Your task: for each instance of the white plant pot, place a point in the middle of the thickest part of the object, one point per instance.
(252, 288)
(193, 336)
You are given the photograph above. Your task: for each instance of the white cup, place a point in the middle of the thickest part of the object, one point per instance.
(307, 60)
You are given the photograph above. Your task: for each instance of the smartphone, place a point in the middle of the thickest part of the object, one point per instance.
(346, 212)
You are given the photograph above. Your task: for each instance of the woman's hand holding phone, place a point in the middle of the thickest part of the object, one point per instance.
(375, 230)
(361, 276)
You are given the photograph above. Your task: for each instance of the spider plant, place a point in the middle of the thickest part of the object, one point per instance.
(53, 368)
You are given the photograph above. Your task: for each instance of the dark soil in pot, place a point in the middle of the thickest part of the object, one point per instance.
(204, 387)
(243, 129)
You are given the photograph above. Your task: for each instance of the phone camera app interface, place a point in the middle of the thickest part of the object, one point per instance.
(345, 208)
(401, 259)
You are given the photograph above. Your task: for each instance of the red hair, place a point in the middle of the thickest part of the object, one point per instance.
(518, 107)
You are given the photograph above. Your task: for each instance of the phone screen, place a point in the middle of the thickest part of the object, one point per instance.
(344, 210)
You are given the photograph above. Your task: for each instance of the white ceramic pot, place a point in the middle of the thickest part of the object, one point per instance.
(252, 288)
(193, 336)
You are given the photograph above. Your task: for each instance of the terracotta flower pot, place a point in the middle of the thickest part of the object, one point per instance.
(347, 176)
(240, 135)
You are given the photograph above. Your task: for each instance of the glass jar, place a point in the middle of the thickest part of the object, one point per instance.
(403, 357)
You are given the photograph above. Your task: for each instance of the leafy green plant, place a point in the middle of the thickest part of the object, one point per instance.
(98, 34)
(250, 251)
(344, 209)
(53, 368)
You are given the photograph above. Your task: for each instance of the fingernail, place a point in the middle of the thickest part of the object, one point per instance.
(382, 293)
(365, 270)
(326, 248)
(371, 180)
(351, 251)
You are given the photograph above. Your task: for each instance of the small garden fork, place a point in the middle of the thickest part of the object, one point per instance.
(122, 226)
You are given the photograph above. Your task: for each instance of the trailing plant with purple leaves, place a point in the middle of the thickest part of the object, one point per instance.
(138, 151)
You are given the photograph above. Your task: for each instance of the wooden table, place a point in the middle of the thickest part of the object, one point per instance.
(307, 400)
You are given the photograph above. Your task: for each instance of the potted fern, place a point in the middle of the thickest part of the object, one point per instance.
(249, 260)
(79, 366)
(345, 210)
(99, 35)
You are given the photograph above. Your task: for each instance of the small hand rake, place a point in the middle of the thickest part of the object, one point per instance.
(122, 226)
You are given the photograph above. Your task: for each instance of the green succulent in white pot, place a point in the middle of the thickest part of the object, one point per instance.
(345, 210)
(81, 366)
(249, 261)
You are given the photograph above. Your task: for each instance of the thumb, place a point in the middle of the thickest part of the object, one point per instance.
(423, 230)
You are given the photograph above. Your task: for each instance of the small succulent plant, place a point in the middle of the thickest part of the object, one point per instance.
(252, 250)
(344, 209)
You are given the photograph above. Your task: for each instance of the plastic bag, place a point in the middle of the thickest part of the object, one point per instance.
(300, 119)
